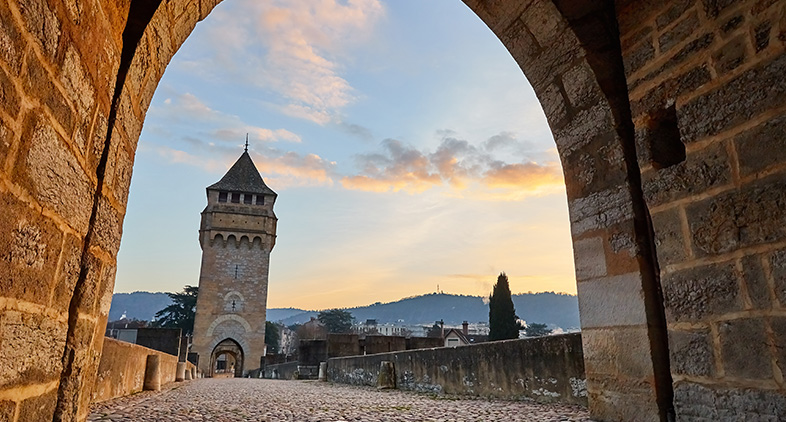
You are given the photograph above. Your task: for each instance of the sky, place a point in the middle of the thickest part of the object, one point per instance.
(408, 151)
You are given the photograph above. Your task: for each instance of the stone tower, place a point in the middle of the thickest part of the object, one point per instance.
(237, 233)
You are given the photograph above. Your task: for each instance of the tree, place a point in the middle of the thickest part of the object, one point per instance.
(336, 320)
(503, 322)
(272, 336)
(180, 314)
(536, 330)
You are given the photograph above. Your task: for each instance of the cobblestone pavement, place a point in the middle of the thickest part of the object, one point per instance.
(242, 399)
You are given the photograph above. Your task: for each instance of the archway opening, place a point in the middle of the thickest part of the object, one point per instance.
(226, 360)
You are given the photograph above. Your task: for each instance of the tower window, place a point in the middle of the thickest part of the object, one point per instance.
(247, 199)
(260, 200)
(235, 198)
(222, 197)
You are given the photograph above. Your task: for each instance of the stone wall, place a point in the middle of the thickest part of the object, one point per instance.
(708, 95)
(122, 369)
(546, 369)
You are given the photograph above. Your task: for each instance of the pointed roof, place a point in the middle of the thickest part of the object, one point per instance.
(243, 176)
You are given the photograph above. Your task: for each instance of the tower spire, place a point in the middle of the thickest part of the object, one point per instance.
(246, 150)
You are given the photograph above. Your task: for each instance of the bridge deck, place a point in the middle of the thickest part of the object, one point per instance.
(230, 400)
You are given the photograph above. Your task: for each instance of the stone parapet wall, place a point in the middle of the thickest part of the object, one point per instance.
(122, 369)
(545, 369)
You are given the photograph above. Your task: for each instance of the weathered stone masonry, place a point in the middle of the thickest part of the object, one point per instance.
(669, 119)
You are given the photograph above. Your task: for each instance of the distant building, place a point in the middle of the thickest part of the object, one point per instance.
(455, 337)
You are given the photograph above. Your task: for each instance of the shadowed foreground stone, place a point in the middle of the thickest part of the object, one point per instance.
(248, 399)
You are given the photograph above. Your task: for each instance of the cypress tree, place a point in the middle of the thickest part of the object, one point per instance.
(503, 322)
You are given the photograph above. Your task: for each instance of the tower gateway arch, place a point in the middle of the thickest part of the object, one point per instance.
(237, 233)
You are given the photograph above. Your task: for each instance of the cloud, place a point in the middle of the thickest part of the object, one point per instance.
(295, 49)
(187, 108)
(356, 130)
(459, 165)
(280, 169)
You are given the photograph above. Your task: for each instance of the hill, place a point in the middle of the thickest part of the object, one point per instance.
(137, 305)
(555, 309)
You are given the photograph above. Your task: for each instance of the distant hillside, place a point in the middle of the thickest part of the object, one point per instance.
(550, 308)
(137, 305)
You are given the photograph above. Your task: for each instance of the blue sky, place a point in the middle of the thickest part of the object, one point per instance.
(405, 144)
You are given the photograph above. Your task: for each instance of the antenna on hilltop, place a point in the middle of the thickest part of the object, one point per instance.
(246, 143)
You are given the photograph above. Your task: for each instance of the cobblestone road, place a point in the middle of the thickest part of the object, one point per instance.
(240, 399)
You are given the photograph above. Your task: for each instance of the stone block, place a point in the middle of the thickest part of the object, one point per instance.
(29, 251)
(7, 139)
(702, 170)
(7, 410)
(590, 258)
(600, 351)
(673, 11)
(553, 103)
(690, 50)
(32, 348)
(761, 35)
(712, 8)
(762, 147)
(700, 292)
(744, 349)
(87, 290)
(691, 353)
(696, 402)
(731, 55)
(71, 265)
(553, 59)
(725, 108)
(752, 215)
(639, 56)
(545, 22)
(78, 86)
(612, 301)
(594, 166)
(43, 23)
(666, 93)
(732, 23)
(679, 33)
(54, 175)
(634, 360)
(38, 83)
(107, 227)
(669, 238)
(9, 98)
(520, 43)
(756, 282)
(153, 373)
(600, 210)
(777, 261)
(41, 408)
(12, 43)
(778, 326)
(580, 86)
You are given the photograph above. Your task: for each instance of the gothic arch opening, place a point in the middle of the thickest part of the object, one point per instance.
(227, 359)
(77, 81)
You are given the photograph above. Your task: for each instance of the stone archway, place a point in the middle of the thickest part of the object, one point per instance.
(231, 348)
(668, 117)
